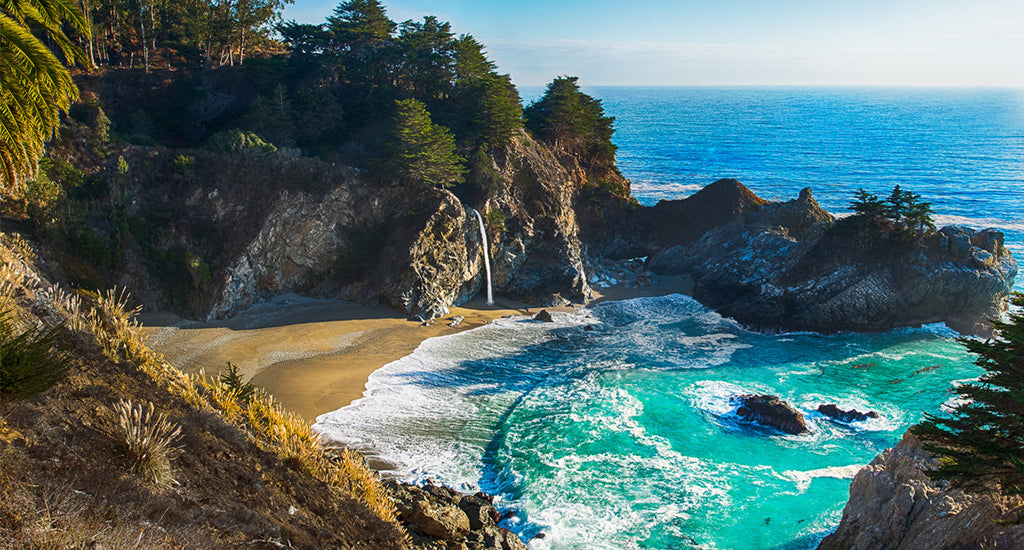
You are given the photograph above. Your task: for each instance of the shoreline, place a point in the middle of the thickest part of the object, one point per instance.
(315, 356)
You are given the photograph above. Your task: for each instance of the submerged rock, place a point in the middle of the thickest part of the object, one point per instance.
(853, 415)
(770, 411)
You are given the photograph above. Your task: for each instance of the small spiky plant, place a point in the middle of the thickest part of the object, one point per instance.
(147, 440)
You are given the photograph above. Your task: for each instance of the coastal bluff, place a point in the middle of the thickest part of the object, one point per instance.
(894, 505)
(793, 266)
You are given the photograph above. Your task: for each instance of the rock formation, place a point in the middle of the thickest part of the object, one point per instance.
(832, 411)
(894, 506)
(792, 266)
(262, 226)
(467, 522)
(770, 411)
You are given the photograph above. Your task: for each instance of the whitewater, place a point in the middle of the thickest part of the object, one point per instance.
(615, 426)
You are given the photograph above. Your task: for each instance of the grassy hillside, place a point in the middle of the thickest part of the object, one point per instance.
(236, 470)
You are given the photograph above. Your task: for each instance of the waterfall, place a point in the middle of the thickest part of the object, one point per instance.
(487, 256)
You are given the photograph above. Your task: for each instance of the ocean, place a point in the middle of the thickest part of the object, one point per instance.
(615, 426)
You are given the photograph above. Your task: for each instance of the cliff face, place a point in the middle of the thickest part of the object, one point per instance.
(253, 226)
(894, 506)
(792, 266)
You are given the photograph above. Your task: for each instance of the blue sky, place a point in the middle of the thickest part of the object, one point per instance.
(735, 42)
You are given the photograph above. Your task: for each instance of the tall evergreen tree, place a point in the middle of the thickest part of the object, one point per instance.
(358, 23)
(423, 153)
(982, 441)
(574, 122)
(428, 58)
(35, 86)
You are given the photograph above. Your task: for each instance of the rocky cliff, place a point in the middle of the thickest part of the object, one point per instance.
(793, 266)
(894, 506)
(240, 228)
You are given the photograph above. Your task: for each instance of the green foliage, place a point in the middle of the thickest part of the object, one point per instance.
(358, 23)
(482, 173)
(237, 141)
(184, 162)
(902, 212)
(242, 390)
(35, 86)
(574, 122)
(31, 361)
(981, 442)
(423, 153)
(495, 221)
(41, 196)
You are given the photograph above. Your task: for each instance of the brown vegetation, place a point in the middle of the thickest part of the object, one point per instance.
(242, 473)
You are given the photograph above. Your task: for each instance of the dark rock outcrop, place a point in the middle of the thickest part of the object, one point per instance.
(833, 411)
(468, 522)
(770, 411)
(792, 266)
(543, 316)
(895, 506)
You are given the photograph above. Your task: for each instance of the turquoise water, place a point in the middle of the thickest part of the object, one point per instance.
(625, 436)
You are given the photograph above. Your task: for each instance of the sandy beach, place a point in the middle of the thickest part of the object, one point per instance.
(314, 356)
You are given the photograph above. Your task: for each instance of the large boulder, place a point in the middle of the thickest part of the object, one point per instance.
(770, 411)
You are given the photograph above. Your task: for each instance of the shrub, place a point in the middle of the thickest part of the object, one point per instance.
(30, 361)
(147, 440)
(238, 141)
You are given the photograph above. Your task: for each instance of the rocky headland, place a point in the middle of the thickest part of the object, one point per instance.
(794, 266)
(894, 505)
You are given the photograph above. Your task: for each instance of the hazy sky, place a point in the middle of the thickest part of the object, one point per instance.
(735, 42)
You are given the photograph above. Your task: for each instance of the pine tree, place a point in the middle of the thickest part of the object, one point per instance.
(358, 23)
(573, 121)
(982, 441)
(423, 152)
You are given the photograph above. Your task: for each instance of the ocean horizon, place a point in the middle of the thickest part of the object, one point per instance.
(626, 435)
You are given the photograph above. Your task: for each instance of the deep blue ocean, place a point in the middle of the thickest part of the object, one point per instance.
(625, 436)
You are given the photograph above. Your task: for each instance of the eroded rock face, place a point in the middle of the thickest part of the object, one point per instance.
(469, 522)
(792, 266)
(894, 506)
(536, 256)
(265, 226)
(770, 411)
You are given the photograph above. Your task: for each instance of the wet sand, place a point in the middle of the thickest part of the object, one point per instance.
(314, 356)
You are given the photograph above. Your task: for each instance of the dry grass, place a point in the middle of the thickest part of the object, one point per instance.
(147, 439)
(58, 518)
(270, 426)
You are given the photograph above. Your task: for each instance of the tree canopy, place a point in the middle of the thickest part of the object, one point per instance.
(35, 86)
(902, 211)
(573, 121)
(423, 152)
(982, 441)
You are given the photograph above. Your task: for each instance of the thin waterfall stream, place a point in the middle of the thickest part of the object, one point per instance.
(487, 256)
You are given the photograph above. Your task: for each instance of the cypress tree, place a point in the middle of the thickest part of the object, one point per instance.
(423, 152)
(981, 442)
